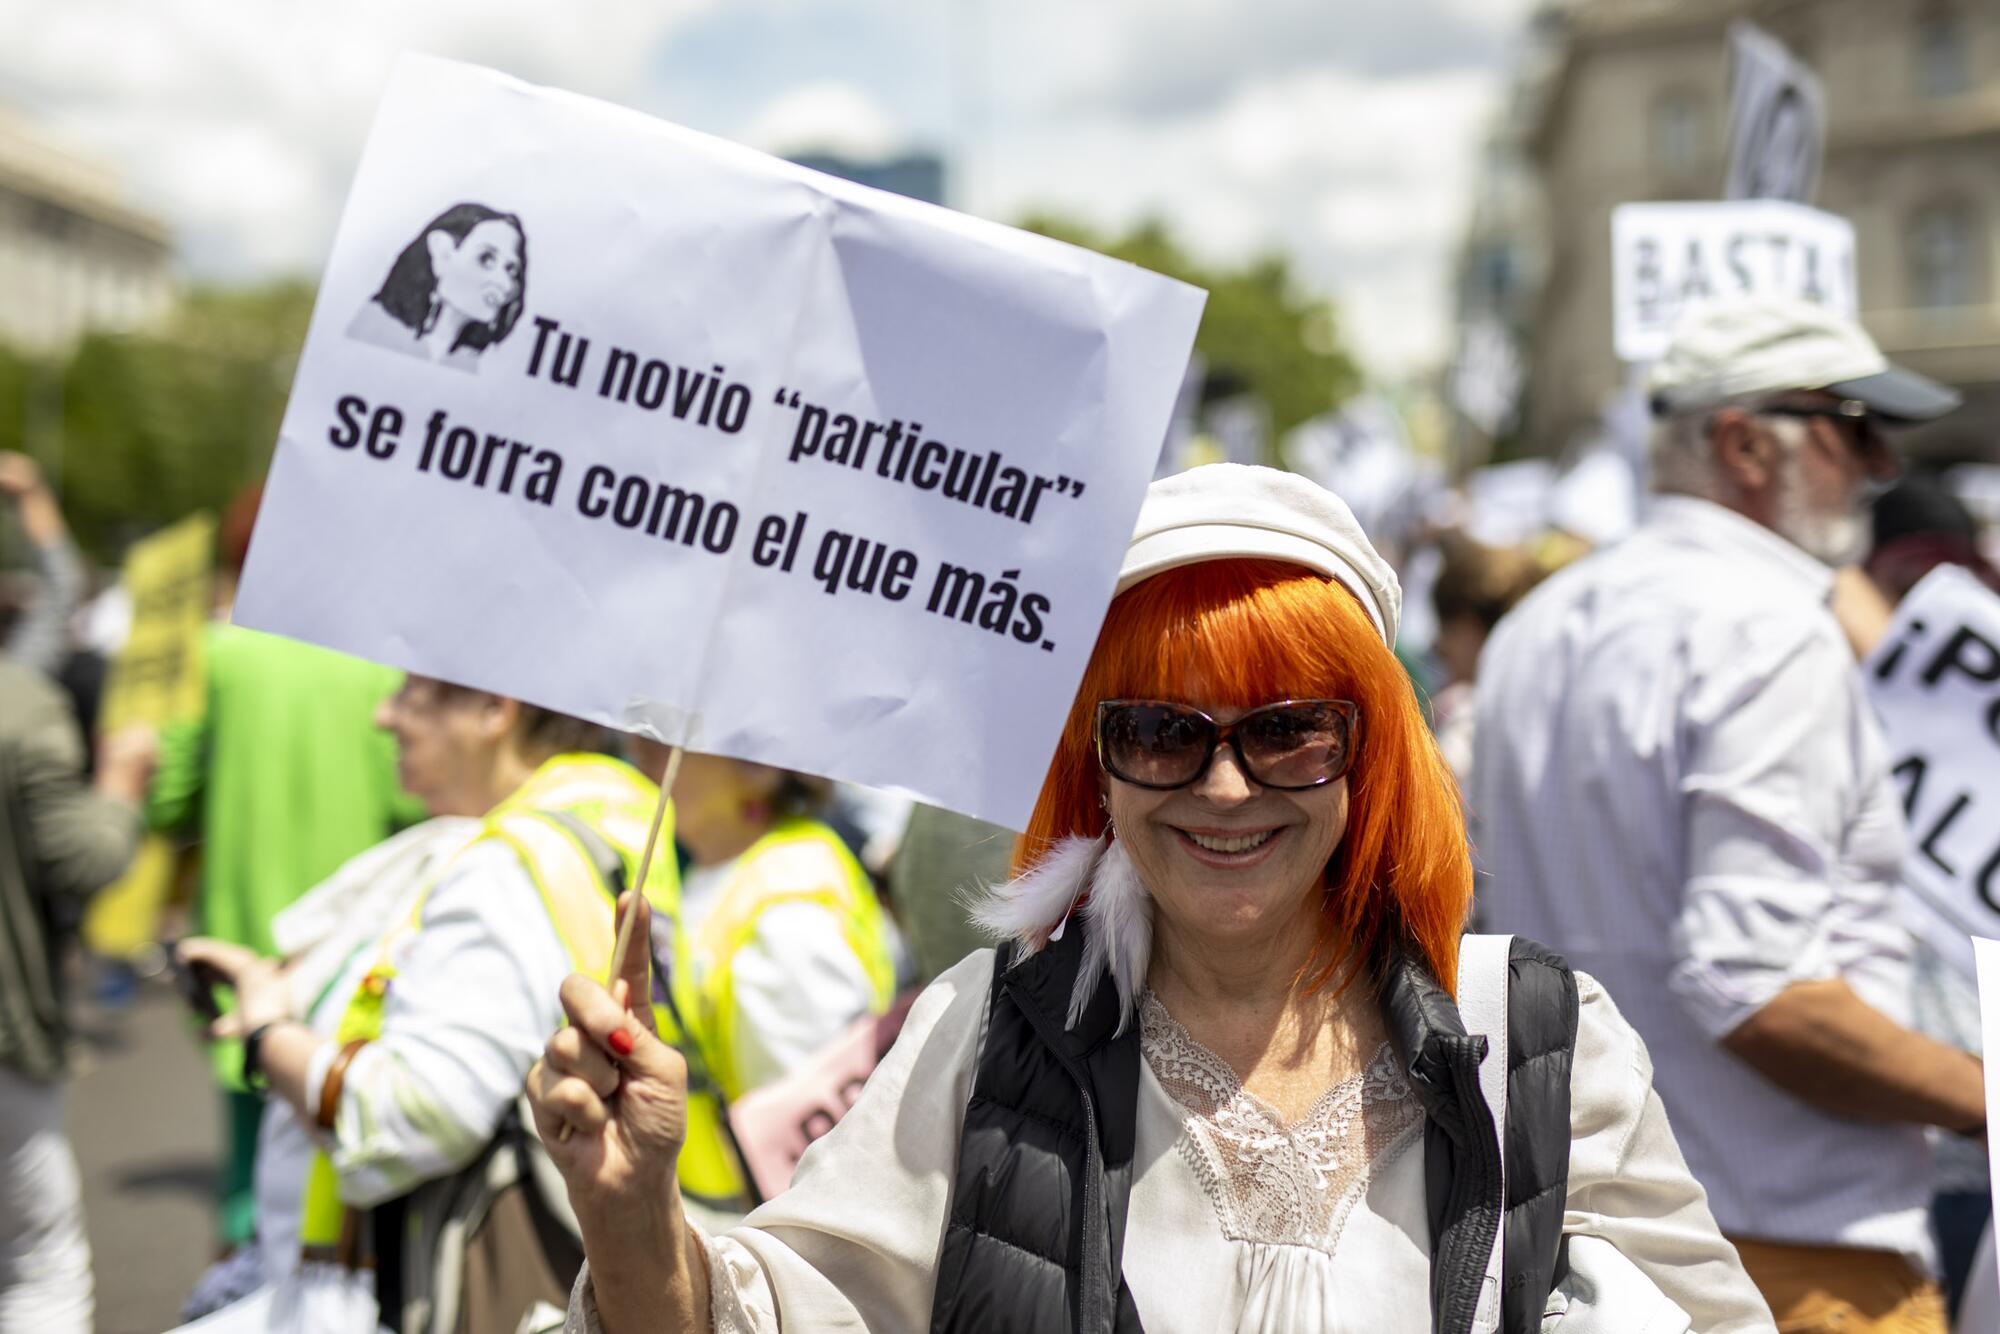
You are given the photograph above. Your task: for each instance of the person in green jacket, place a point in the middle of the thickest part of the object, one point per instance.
(61, 840)
(283, 777)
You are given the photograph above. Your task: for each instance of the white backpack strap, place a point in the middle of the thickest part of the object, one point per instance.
(1482, 1004)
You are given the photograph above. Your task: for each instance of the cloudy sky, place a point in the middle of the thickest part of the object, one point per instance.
(1341, 132)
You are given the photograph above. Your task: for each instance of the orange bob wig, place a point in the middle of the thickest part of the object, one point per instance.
(1239, 633)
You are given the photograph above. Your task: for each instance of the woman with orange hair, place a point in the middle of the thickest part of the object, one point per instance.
(1215, 1077)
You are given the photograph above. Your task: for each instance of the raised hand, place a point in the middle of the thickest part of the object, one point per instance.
(19, 475)
(22, 485)
(610, 1098)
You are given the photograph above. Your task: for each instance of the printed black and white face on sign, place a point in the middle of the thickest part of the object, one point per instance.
(452, 292)
(1777, 120)
(648, 428)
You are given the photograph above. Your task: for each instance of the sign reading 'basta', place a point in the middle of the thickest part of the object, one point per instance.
(1668, 257)
(657, 431)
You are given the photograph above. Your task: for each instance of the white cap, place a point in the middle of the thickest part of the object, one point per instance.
(1228, 510)
(1727, 349)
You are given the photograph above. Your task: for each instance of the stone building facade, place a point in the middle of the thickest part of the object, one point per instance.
(73, 255)
(1635, 107)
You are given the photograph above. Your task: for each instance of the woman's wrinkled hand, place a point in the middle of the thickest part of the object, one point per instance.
(609, 1097)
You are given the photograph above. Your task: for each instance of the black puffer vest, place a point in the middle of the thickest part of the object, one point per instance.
(1035, 1239)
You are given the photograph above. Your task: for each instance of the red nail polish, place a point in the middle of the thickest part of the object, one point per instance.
(620, 1041)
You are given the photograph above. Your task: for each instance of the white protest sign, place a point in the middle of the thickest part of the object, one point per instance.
(1935, 682)
(1508, 503)
(654, 430)
(1666, 257)
(1597, 497)
(1777, 120)
(1981, 1309)
(1486, 385)
(1978, 485)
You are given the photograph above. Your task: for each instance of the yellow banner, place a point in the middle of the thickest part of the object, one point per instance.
(156, 679)
(158, 675)
(123, 918)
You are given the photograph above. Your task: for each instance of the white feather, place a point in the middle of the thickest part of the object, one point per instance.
(1119, 922)
(1030, 905)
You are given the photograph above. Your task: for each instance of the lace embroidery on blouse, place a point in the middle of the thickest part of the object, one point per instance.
(1272, 1183)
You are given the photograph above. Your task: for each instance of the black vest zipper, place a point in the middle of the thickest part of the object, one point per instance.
(1092, 1318)
(1464, 1252)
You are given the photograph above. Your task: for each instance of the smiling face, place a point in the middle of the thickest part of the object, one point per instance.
(481, 275)
(1339, 873)
(1225, 857)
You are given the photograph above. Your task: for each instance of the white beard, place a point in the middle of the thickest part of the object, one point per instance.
(1832, 539)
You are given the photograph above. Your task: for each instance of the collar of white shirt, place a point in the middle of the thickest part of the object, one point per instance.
(1717, 528)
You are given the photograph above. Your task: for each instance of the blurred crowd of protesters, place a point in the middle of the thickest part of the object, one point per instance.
(1674, 780)
(279, 778)
(395, 874)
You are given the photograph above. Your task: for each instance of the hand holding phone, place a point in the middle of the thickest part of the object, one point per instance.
(197, 983)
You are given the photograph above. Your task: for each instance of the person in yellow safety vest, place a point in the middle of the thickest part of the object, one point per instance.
(402, 1067)
(789, 944)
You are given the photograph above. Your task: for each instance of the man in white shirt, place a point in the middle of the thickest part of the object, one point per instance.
(1677, 783)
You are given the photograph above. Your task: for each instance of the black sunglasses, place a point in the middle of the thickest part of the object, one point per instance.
(1866, 436)
(1290, 745)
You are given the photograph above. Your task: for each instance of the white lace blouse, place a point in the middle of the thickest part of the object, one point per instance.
(1291, 1226)
(1237, 1221)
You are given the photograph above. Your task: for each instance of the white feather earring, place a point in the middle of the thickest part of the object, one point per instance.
(1117, 921)
(1119, 937)
(1033, 904)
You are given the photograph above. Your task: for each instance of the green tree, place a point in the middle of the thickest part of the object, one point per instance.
(156, 425)
(1259, 329)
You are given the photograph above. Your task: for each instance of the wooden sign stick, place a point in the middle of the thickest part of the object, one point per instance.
(624, 939)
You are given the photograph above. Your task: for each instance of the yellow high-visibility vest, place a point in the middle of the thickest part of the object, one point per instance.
(799, 861)
(551, 823)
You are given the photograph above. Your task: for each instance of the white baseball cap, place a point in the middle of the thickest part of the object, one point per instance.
(1228, 510)
(1727, 349)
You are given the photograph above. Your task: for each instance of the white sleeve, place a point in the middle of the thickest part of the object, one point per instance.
(810, 1259)
(1770, 898)
(1629, 1185)
(797, 987)
(473, 1001)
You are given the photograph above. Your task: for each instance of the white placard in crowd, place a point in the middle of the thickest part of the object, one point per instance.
(1777, 120)
(1978, 485)
(1935, 682)
(1666, 257)
(1486, 383)
(1508, 503)
(1597, 497)
(1981, 1310)
(655, 430)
